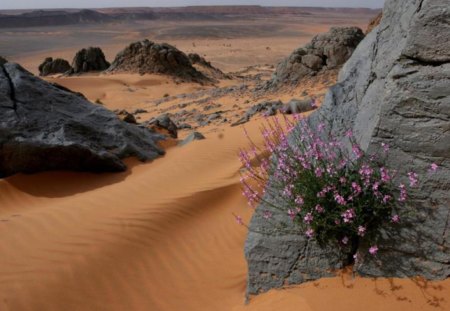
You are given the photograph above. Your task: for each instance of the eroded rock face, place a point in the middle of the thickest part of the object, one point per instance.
(205, 67)
(325, 51)
(149, 57)
(395, 89)
(52, 66)
(47, 127)
(90, 59)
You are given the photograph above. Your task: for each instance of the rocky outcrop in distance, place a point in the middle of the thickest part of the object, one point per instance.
(325, 51)
(44, 127)
(205, 67)
(145, 57)
(90, 59)
(395, 89)
(52, 66)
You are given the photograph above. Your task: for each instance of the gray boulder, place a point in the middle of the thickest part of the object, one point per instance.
(295, 106)
(191, 137)
(268, 108)
(395, 89)
(52, 66)
(90, 59)
(148, 57)
(164, 122)
(325, 51)
(47, 127)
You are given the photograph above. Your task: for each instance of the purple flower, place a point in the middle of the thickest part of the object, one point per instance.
(319, 209)
(361, 231)
(373, 250)
(349, 133)
(344, 240)
(357, 151)
(413, 179)
(299, 200)
(385, 177)
(239, 220)
(339, 199)
(434, 167)
(403, 193)
(355, 257)
(267, 214)
(356, 188)
(395, 219)
(309, 233)
(308, 218)
(348, 215)
(386, 198)
(385, 147)
(318, 172)
(342, 180)
(292, 214)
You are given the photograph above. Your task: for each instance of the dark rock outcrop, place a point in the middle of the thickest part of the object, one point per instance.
(205, 67)
(148, 57)
(325, 51)
(52, 66)
(47, 127)
(164, 122)
(90, 59)
(395, 89)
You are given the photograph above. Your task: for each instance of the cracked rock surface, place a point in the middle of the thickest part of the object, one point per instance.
(395, 89)
(47, 127)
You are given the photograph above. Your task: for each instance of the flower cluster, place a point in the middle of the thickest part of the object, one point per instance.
(333, 195)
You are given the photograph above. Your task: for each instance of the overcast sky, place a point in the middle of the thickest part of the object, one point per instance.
(31, 4)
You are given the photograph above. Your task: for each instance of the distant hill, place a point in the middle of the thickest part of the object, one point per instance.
(29, 18)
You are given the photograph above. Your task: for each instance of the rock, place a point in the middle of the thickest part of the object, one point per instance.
(139, 111)
(90, 59)
(268, 108)
(202, 65)
(3, 61)
(395, 89)
(213, 117)
(164, 122)
(52, 66)
(47, 127)
(374, 22)
(325, 51)
(149, 57)
(193, 136)
(298, 106)
(129, 118)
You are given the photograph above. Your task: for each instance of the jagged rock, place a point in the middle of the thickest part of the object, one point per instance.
(164, 122)
(52, 66)
(149, 57)
(3, 61)
(214, 116)
(395, 89)
(374, 22)
(325, 51)
(193, 136)
(129, 118)
(298, 106)
(202, 65)
(139, 111)
(47, 127)
(268, 108)
(90, 59)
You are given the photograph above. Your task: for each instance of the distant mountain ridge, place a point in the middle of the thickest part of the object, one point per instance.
(35, 18)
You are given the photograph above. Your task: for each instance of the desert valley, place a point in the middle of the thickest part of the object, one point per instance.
(120, 134)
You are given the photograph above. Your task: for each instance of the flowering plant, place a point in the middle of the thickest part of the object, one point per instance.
(333, 195)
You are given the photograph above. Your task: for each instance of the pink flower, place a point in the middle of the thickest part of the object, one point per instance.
(413, 179)
(355, 257)
(357, 151)
(348, 215)
(299, 200)
(434, 167)
(395, 219)
(339, 199)
(292, 214)
(349, 133)
(308, 218)
(386, 198)
(267, 214)
(385, 177)
(319, 209)
(318, 172)
(403, 193)
(356, 188)
(239, 220)
(385, 147)
(361, 231)
(344, 240)
(342, 180)
(309, 233)
(373, 250)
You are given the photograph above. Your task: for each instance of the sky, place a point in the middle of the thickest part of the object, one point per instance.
(33, 4)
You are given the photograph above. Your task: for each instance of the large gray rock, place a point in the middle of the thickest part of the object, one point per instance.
(394, 89)
(47, 127)
(90, 59)
(148, 57)
(52, 66)
(325, 51)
